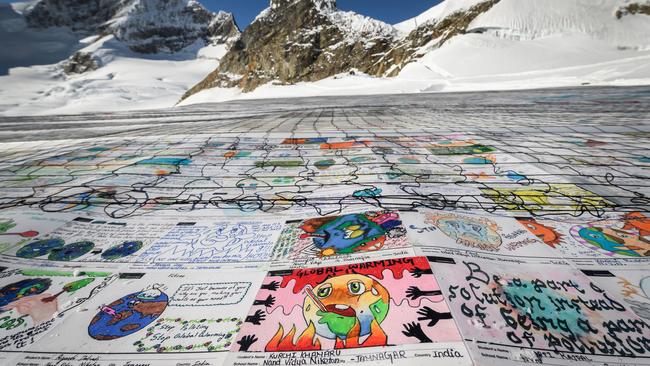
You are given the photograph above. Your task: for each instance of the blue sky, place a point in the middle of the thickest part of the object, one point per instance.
(390, 11)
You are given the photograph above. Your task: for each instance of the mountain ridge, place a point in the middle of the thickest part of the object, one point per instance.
(378, 49)
(145, 26)
(415, 39)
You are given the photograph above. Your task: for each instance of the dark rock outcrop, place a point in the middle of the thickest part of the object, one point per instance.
(79, 63)
(85, 16)
(632, 9)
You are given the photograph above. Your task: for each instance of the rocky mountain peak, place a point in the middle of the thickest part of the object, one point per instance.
(318, 4)
(308, 40)
(300, 40)
(146, 26)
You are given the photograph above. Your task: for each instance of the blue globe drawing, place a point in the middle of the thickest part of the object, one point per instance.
(127, 315)
(122, 250)
(39, 248)
(71, 251)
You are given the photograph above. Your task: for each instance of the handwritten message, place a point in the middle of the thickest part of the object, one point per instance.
(210, 294)
(222, 242)
(558, 311)
(196, 335)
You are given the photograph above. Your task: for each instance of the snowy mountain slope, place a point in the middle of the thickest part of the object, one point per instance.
(73, 56)
(146, 26)
(152, 26)
(532, 19)
(434, 14)
(418, 78)
(126, 81)
(525, 35)
(512, 44)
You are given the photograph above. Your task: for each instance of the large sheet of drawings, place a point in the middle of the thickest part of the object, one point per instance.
(336, 236)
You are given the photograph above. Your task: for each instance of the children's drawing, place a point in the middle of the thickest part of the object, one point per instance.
(128, 314)
(39, 305)
(194, 335)
(39, 248)
(637, 221)
(304, 141)
(214, 242)
(362, 305)
(628, 236)
(85, 239)
(445, 232)
(477, 232)
(6, 225)
(459, 148)
(346, 234)
(542, 307)
(546, 233)
(21, 289)
(634, 288)
(71, 251)
(122, 250)
(546, 197)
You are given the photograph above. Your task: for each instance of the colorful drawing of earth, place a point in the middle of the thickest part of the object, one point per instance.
(23, 288)
(39, 248)
(127, 315)
(122, 250)
(71, 251)
(350, 233)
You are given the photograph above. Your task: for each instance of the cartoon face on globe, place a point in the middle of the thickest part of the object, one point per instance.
(128, 314)
(340, 303)
(351, 233)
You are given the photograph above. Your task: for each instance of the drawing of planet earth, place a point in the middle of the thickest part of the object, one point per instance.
(127, 315)
(122, 250)
(23, 288)
(39, 248)
(71, 251)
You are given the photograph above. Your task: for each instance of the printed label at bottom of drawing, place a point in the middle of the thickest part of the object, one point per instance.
(439, 354)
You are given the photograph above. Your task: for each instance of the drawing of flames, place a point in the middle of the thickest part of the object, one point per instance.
(346, 309)
(307, 340)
